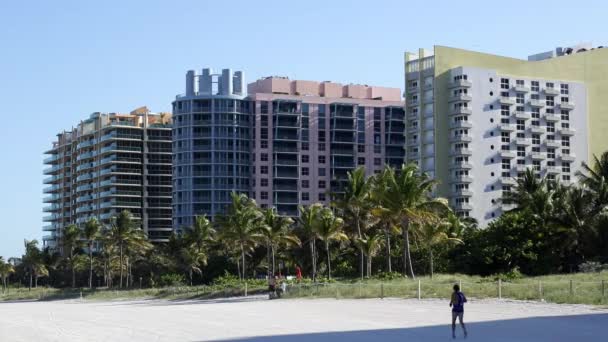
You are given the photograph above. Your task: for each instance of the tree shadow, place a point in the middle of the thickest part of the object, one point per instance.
(579, 328)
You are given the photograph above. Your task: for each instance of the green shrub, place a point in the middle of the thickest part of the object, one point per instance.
(591, 267)
(172, 279)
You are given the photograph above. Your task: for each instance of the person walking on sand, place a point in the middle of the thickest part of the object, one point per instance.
(457, 305)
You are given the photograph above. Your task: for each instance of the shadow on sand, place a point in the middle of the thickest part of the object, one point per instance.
(576, 328)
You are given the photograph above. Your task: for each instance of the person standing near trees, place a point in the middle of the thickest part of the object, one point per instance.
(457, 305)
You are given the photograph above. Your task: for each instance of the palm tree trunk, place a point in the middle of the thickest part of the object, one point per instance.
(30, 281)
(121, 264)
(407, 258)
(328, 260)
(190, 274)
(238, 268)
(72, 267)
(369, 266)
(431, 261)
(389, 265)
(243, 261)
(273, 261)
(90, 265)
(268, 259)
(361, 263)
(312, 256)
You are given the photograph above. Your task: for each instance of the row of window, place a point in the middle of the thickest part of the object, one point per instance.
(304, 195)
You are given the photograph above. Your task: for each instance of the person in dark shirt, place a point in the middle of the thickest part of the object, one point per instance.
(457, 305)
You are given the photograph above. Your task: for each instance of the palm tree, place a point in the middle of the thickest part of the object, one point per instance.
(384, 217)
(5, 270)
(307, 223)
(329, 228)
(71, 241)
(201, 234)
(191, 260)
(241, 224)
(277, 233)
(91, 234)
(129, 241)
(594, 176)
(407, 197)
(432, 234)
(355, 205)
(370, 245)
(33, 262)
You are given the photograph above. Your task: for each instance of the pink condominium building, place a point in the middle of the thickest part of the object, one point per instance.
(282, 142)
(309, 134)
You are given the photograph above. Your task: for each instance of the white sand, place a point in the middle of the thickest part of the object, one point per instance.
(258, 319)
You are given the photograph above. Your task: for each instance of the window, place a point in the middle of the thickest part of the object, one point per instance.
(264, 182)
(321, 146)
(321, 159)
(264, 195)
(520, 98)
(534, 97)
(377, 161)
(565, 99)
(550, 101)
(565, 141)
(550, 85)
(550, 127)
(264, 169)
(322, 172)
(520, 83)
(305, 158)
(304, 146)
(361, 148)
(565, 167)
(565, 125)
(566, 178)
(551, 153)
(505, 137)
(564, 89)
(521, 162)
(504, 83)
(536, 165)
(535, 86)
(504, 110)
(264, 156)
(536, 139)
(321, 197)
(550, 111)
(305, 196)
(305, 184)
(377, 149)
(264, 121)
(305, 171)
(565, 115)
(521, 151)
(305, 109)
(321, 135)
(321, 184)
(263, 143)
(506, 164)
(360, 161)
(264, 107)
(521, 125)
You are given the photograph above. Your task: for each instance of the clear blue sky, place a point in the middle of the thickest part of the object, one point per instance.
(62, 60)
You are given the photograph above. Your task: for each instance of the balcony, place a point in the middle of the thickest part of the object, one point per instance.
(460, 84)
(461, 138)
(551, 91)
(461, 111)
(537, 129)
(461, 124)
(343, 151)
(413, 129)
(413, 154)
(567, 105)
(463, 193)
(523, 141)
(507, 127)
(553, 170)
(507, 154)
(521, 89)
(462, 206)
(538, 155)
(87, 155)
(285, 149)
(461, 165)
(522, 115)
(461, 152)
(522, 168)
(462, 179)
(86, 143)
(536, 103)
(285, 187)
(567, 157)
(508, 181)
(343, 165)
(460, 97)
(567, 131)
(506, 100)
(552, 143)
(552, 117)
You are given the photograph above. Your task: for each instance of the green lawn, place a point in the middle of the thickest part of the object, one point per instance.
(587, 288)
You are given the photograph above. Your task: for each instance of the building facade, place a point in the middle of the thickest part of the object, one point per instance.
(476, 121)
(285, 143)
(107, 164)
